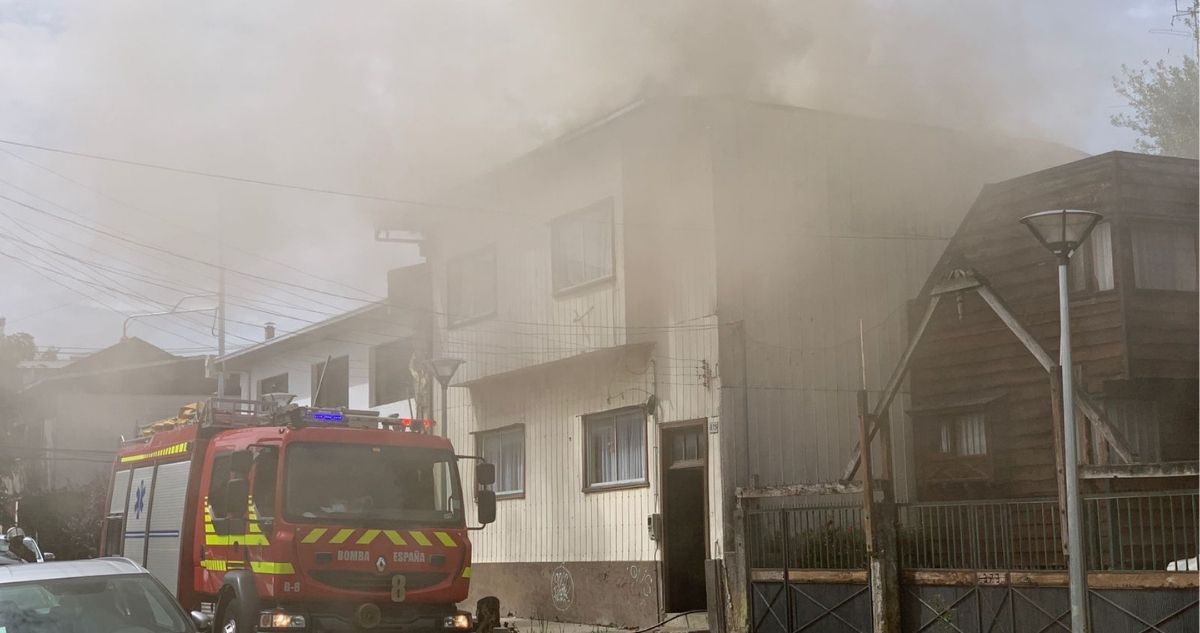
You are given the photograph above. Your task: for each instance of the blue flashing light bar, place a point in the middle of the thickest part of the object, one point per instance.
(329, 416)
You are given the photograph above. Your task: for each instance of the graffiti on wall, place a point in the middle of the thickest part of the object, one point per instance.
(562, 588)
(643, 583)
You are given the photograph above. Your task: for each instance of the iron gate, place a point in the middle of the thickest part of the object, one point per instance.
(808, 567)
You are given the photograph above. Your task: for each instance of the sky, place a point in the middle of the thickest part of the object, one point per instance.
(403, 99)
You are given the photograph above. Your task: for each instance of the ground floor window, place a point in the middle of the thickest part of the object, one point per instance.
(963, 435)
(505, 448)
(615, 451)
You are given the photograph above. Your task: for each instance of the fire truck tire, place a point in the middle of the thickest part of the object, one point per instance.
(230, 620)
(238, 604)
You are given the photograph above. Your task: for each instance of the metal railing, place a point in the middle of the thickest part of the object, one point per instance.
(806, 538)
(1140, 531)
(1124, 532)
(1020, 535)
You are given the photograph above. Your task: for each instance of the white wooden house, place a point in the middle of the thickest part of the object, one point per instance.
(666, 305)
(359, 359)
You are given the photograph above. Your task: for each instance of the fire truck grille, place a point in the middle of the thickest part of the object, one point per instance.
(375, 583)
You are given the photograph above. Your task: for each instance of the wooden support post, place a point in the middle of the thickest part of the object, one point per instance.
(888, 549)
(868, 481)
(890, 389)
(878, 520)
(1059, 465)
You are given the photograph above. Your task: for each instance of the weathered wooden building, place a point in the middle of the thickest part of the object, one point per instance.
(666, 305)
(979, 543)
(980, 403)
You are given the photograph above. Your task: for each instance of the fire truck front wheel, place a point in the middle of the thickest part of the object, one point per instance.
(230, 622)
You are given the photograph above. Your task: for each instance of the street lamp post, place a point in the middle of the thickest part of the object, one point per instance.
(1062, 231)
(443, 370)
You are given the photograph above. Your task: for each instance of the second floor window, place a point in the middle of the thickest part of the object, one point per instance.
(1092, 265)
(506, 449)
(335, 387)
(471, 285)
(1164, 256)
(581, 246)
(1138, 422)
(391, 378)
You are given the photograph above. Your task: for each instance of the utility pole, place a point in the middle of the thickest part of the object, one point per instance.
(221, 323)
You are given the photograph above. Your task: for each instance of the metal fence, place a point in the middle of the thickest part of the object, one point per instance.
(1018, 535)
(1130, 532)
(1124, 532)
(806, 538)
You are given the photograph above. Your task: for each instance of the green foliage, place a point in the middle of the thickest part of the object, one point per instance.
(1164, 99)
(66, 521)
(14, 348)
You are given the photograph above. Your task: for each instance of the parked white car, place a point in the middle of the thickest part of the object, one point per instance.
(105, 595)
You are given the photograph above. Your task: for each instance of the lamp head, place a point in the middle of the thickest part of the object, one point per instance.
(1061, 231)
(444, 369)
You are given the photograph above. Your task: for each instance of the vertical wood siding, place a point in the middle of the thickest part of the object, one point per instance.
(546, 360)
(976, 354)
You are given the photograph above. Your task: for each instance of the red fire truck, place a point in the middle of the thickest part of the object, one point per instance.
(274, 517)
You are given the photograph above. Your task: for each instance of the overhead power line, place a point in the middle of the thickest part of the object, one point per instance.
(538, 218)
(172, 253)
(241, 179)
(304, 288)
(163, 220)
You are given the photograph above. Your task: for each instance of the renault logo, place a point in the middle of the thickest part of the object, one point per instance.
(380, 565)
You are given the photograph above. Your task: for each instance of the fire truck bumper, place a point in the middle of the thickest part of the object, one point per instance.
(360, 618)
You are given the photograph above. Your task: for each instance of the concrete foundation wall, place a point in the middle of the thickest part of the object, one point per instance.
(614, 593)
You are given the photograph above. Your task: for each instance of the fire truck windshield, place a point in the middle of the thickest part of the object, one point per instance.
(363, 482)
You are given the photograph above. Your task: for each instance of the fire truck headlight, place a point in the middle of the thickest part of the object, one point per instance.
(281, 621)
(460, 621)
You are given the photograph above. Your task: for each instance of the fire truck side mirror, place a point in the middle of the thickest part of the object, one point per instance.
(485, 504)
(237, 497)
(485, 474)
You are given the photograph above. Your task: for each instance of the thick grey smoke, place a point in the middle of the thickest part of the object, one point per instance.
(403, 98)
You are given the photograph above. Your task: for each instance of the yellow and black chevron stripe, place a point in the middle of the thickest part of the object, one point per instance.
(255, 536)
(257, 566)
(174, 449)
(355, 536)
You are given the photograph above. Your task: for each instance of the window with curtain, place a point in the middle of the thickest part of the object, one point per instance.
(1092, 265)
(964, 435)
(471, 285)
(1164, 256)
(615, 451)
(506, 449)
(581, 246)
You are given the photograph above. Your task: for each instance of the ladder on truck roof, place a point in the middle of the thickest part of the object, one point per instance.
(277, 410)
